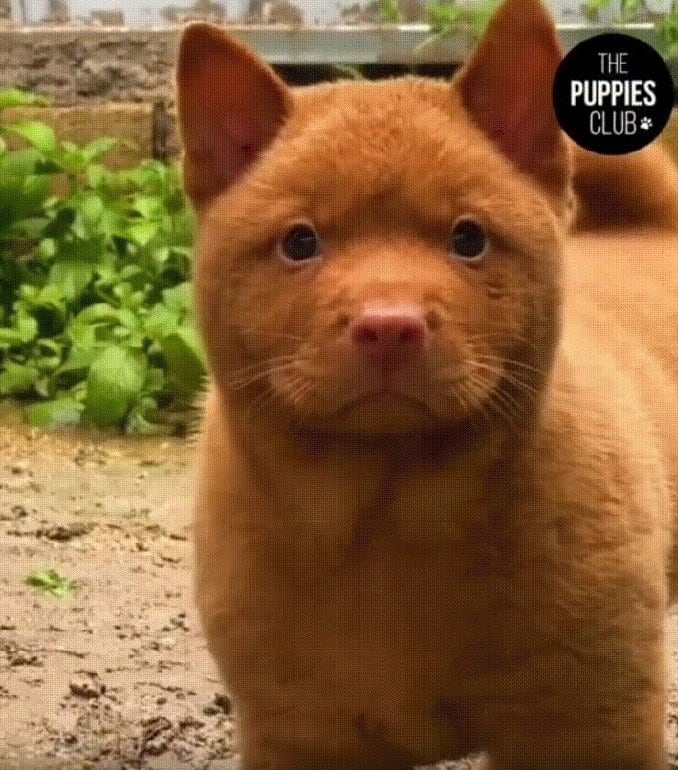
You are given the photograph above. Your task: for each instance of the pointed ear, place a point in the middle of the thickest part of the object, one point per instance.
(231, 105)
(506, 87)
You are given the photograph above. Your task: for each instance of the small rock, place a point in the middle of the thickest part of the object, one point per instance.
(87, 688)
(169, 558)
(155, 738)
(65, 533)
(23, 658)
(223, 702)
(155, 747)
(16, 512)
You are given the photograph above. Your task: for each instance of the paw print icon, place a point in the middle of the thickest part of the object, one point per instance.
(646, 123)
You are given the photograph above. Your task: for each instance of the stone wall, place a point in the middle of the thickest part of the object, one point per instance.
(75, 66)
(119, 83)
(133, 124)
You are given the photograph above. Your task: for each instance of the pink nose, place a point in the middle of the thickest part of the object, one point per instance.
(388, 336)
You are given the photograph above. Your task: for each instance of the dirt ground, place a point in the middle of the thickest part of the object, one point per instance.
(117, 675)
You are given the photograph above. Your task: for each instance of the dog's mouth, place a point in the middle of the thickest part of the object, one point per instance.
(384, 399)
(387, 410)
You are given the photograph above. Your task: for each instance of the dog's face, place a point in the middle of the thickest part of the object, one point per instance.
(378, 257)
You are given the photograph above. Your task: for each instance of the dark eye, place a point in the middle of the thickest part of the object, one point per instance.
(468, 240)
(299, 243)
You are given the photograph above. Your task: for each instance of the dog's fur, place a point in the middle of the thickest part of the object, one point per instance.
(483, 560)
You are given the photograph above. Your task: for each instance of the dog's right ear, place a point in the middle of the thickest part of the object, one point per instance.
(506, 88)
(231, 104)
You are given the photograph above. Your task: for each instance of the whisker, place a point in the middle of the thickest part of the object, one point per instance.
(298, 395)
(243, 382)
(477, 389)
(264, 399)
(510, 362)
(510, 377)
(270, 360)
(502, 337)
(497, 400)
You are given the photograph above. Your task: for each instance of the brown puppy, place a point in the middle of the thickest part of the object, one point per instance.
(623, 192)
(440, 455)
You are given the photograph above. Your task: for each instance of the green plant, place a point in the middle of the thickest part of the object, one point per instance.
(446, 18)
(450, 17)
(628, 9)
(668, 33)
(96, 318)
(633, 10)
(348, 72)
(389, 11)
(51, 582)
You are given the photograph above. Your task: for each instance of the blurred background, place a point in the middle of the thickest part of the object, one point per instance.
(158, 13)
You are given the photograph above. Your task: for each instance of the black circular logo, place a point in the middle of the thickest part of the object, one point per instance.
(613, 94)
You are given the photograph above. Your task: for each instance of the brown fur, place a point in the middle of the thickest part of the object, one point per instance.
(623, 192)
(480, 561)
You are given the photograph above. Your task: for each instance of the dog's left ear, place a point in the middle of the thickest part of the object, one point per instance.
(231, 105)
(506, 89)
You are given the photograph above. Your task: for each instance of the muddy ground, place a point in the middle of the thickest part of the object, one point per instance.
(115, 676)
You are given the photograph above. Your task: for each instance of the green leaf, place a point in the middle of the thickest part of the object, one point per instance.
(184, 357)
(23, 330)
(74, 161)
(61, 412)
(139, 425)
(443, 18)
(155, 381)
(591, 9)
(82, 334)
(142, 232)
(98, 147)
(161, 255)
(45, 166)
(30, 227)
(72, 276)
(61, 224)
(16, 165)
(91, 207)
(97, 312)
(161, 321)
(46, 249)
(148, 206)
(37, 134)
(80, 356)
(148, 176)
(47, 364)
(389, 11)
(97, 176)
(51, 582)
(14, 97)
(179, 298)
(52, 295)
(115, 379)
(17, 378)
